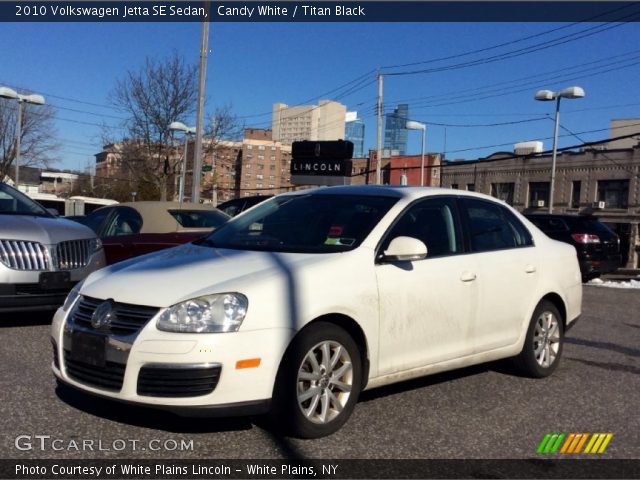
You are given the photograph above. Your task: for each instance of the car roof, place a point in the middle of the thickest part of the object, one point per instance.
(410, 193)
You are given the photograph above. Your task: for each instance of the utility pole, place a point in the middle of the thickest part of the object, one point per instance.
(197, 156)
(379, 152)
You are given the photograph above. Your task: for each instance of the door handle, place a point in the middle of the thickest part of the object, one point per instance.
(530, 269)
(468, 276)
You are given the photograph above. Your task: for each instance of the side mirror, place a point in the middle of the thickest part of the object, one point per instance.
(405, 249)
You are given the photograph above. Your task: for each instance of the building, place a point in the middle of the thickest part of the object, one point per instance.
(395, 131)
(405, 170)
(325, 121)
(354, 132)
(605, 183)
(257, 165)
(265, 166)
(630, 128)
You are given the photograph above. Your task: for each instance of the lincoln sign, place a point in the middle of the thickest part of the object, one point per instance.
(321, 162)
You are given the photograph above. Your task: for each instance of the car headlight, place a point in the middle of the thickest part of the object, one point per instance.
(223, 312)
(72, 296)
(95, 244)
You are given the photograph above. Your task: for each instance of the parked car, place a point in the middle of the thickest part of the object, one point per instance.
(299, 304)
(239, 205)
(597, 246)
(41, 257)
(131, 229)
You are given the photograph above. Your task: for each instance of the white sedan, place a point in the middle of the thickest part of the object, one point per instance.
(299, 304)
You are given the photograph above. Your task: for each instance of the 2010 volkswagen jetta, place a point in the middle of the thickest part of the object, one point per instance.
(299, 304)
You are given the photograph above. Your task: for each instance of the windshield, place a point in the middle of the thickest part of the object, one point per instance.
(314, 223)
(13, 202)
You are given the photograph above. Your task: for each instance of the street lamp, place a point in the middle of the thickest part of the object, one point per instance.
(546, 96)
(6, 92)
(181, 127)
(411, 125)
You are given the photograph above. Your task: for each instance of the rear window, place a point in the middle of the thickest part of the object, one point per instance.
(199, 218)
(589, 225)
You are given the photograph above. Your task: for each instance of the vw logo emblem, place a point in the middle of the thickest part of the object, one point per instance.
(103, 315)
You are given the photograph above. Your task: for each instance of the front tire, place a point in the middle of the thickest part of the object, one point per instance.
(319, 381)
(544, 341)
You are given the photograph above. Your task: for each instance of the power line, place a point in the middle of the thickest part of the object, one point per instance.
(500, 45)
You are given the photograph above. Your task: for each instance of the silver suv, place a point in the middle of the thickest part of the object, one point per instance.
(41, 257)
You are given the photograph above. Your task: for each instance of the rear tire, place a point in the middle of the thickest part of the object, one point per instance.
(543, 344)
(318, 383)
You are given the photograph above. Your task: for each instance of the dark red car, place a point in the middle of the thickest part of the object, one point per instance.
(131, 229)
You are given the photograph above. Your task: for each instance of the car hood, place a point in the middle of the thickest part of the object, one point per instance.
(46, 230)
(170, 276)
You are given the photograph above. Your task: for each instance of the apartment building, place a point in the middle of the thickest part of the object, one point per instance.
(325, 121)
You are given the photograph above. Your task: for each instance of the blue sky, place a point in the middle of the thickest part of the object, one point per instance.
(251, 66)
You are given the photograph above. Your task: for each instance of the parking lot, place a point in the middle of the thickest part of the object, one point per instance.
(480, 412)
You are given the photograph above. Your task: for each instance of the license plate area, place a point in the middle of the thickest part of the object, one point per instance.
(55, 281)
(89, 349)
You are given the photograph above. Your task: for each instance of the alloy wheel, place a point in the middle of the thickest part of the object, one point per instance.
(324, 382)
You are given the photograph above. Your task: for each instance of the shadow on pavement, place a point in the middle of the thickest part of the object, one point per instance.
(148, 417)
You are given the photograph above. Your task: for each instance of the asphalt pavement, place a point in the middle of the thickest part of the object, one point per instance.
(481, 412)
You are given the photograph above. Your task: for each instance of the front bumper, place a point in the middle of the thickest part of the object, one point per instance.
(236, 391)
(20, 290)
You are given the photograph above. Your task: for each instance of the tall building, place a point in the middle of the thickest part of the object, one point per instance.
(354, 132)
(325, 121)
(395, 132)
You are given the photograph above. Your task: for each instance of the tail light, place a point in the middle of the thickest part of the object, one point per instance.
(586, 238)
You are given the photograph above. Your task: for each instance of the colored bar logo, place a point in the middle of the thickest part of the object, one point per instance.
(563, 443)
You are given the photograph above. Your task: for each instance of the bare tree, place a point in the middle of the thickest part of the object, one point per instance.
(159, 93)
(223, 125)
(37, 136)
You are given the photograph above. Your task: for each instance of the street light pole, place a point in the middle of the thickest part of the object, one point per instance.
(181, 127)
(545, 96)
(411, 125)
(9, 93)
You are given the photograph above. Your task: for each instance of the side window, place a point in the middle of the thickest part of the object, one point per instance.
(492, 227)
(125, 221)
(520, 232)
(434, 222)
(96, 220)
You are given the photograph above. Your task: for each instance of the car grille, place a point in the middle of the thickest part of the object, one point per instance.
(109, 377)
(128, 319)
(73, 254)
(190, 381)
(23, 255)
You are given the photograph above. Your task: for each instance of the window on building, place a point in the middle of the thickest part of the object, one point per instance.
(503, 191)
(250, 147)
(454, 186)
(260, 157)
(471, 187)
(615, 193)
(260, 166)
(258, 185)
(575, 193)
(259, 176)
(273, 148)
(538, 194)
(260, 147)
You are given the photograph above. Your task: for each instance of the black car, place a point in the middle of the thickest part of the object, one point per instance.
(597, 245)
(238, 205)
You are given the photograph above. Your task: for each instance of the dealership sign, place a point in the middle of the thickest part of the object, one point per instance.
(321, 162)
